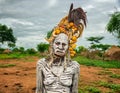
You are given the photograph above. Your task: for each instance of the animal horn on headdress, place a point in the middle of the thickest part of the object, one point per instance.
(69, 15)
(76, 15)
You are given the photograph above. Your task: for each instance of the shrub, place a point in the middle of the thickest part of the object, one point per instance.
(31, 51)
(20, 49)
(15, 49)
(42, 47)
(1, 50)
(80, 49)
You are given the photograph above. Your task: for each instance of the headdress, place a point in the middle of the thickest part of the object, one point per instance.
(72, 25)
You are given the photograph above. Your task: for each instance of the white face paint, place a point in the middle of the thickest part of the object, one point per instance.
(60, 44)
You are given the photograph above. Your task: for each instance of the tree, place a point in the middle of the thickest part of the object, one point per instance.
(113, 25)
(6, 35)
(94, 43)
(11, 45)
(94, 39)
(103, 48)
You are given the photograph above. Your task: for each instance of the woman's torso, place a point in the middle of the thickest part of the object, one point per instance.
(56, 79)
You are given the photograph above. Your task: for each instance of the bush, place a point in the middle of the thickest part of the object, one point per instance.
(31, 51)
(102, 47)
(15, 49)
(80, 49)
(1, 50)
(20, 49)
(42, 47)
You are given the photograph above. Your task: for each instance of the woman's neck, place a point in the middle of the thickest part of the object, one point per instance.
(58, 60)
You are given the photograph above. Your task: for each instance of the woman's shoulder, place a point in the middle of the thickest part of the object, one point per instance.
(75, 65)
(41, 62)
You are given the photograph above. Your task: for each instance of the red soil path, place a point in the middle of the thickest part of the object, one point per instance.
(22, 77)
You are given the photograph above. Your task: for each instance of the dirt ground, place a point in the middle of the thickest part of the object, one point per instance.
(22, 77)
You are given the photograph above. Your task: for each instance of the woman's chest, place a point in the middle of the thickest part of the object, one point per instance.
(58, 74)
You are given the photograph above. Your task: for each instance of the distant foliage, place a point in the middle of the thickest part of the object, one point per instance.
(12, 45)
(1, 50)
(20, 50)
(94, 40)
(6, 34)
(31, 51)
(49, 34)
(15, 49)
(80, 49)
(113, 25)
(102, 47)
(42, 47)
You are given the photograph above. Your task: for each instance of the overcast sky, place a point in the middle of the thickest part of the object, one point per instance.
(32, 19)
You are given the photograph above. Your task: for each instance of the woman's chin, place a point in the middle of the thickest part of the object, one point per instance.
(60, 54)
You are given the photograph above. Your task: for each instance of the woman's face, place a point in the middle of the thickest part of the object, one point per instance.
(60, 45)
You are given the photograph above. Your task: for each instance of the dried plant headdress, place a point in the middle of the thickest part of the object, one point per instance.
(72, 25)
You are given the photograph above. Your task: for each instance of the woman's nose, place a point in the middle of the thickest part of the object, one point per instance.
(60, 46)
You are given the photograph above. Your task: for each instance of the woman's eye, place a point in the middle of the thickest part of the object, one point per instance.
(63, 44)
(57, 43)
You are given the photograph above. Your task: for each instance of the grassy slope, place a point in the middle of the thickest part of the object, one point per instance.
(97, 63)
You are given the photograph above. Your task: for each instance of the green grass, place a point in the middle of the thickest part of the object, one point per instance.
(7, 65)
(89, 89)
(97, 63)
(105, 73)
(93, 90)
(82, 60)
(115, 76)
(15, 55)
(114, 87)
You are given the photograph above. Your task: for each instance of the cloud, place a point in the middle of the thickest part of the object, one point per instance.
(102, 1)
(89, 7)
(2, 1)
(118, 1)
(30, 41)
(12, 21)
(31, 20)
(52, 3)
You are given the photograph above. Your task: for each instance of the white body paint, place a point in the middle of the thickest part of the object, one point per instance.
(55, 79)
(58, 78)
(60, 44)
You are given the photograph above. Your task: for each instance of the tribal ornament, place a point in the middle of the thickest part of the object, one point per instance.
(71, 25)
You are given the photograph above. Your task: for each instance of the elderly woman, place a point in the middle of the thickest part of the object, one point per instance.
(58, 73)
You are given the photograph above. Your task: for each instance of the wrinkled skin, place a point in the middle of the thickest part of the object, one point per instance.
(55, 78)
(60, 45)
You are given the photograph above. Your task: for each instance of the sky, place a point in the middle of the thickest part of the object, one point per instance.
(32, 19)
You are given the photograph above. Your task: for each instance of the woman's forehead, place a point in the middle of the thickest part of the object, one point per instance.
(62, 38)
